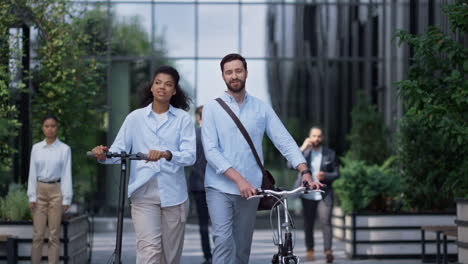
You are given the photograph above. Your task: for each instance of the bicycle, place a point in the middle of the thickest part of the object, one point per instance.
(285, 245)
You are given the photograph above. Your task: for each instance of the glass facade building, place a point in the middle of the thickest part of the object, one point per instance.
(308, 58)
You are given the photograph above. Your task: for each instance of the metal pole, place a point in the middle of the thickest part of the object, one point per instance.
(196, 54)
(25, 107)
(120, 212)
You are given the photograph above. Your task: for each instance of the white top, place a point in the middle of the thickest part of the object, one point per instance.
(51, 162)
(315, 161)
(160, 119)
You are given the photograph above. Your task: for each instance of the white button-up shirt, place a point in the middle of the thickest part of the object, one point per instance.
(143, 131)
(51, 162)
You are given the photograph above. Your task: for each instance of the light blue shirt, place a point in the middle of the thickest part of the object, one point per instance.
(141, 132)
(225, 147)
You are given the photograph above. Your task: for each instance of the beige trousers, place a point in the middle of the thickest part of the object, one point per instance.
(159, 230)
(48, 212)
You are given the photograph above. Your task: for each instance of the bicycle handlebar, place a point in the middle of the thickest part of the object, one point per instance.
(264, 193)
(122, 155)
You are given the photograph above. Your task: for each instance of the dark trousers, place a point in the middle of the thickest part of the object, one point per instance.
(203, 221)
(324, 209)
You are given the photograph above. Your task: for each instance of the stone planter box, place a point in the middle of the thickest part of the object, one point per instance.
(383, 235)
(462, 230)
(74, 240)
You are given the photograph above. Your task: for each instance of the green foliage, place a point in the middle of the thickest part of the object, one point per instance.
(128, 38)
(68, 84)
(368, 187)
(9, 123)
(15, 206)
(434, 129)
(458, 15)
(426, 163)
(368, 136)
(65, 80)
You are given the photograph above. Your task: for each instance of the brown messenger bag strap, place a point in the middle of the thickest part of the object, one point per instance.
(243, 131)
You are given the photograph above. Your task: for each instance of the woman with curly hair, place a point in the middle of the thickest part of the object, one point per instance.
(157, 187)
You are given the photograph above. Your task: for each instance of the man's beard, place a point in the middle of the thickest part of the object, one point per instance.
(316, 144)
(236, 90)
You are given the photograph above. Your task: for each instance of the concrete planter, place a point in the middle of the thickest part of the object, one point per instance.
(384, 235)
(74, 240)
(462, 230)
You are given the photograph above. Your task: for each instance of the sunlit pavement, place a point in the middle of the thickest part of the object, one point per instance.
(262, 248)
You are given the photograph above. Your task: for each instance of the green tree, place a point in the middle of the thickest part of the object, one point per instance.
(9, 91)
(369, 136)
(127, 38)
(65, 80)
(433, 138)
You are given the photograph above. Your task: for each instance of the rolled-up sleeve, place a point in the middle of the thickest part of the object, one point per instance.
(213, 155)
(282, 140)
(186, 154)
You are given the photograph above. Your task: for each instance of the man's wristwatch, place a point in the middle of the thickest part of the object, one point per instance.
(305, 172)
(170, 155)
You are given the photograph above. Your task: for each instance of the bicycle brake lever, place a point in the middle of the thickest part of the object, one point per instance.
(307, 186)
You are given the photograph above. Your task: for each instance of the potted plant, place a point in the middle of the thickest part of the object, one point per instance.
(374, 217)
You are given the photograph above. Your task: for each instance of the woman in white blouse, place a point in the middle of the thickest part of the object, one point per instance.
(157, 188)
(49, 189)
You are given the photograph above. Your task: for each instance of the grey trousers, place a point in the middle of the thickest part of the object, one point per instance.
(324, 208)
(233, 222)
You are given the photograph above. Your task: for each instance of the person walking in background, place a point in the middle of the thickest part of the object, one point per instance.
(49, 189)
(324, 166)
(197, 187)
(157, 187)
(232, 173)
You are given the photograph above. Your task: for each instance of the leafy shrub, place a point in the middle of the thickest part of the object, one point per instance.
(15, 206)
(433, 136)
(368, 136)
(432, 170)
(368, 187)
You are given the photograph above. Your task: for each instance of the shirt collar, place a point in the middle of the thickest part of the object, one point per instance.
(54, 144)
(149, 109)
(229, 98)
(317, 151)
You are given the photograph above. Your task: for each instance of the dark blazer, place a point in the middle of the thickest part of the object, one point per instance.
(329, 165)
(197, 175)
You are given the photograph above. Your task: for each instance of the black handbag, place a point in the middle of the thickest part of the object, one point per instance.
(268, 182)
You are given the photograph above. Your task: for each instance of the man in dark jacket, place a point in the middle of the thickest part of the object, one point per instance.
(324, 166)
(197, 187)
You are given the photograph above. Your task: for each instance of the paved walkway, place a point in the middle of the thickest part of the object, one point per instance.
(262, 248)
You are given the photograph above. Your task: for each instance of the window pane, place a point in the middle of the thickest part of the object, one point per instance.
(175, 24)
(210, 84)
(253, 30)
(131, 29)
(256, 83)
(186, 69)
(218, 29)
